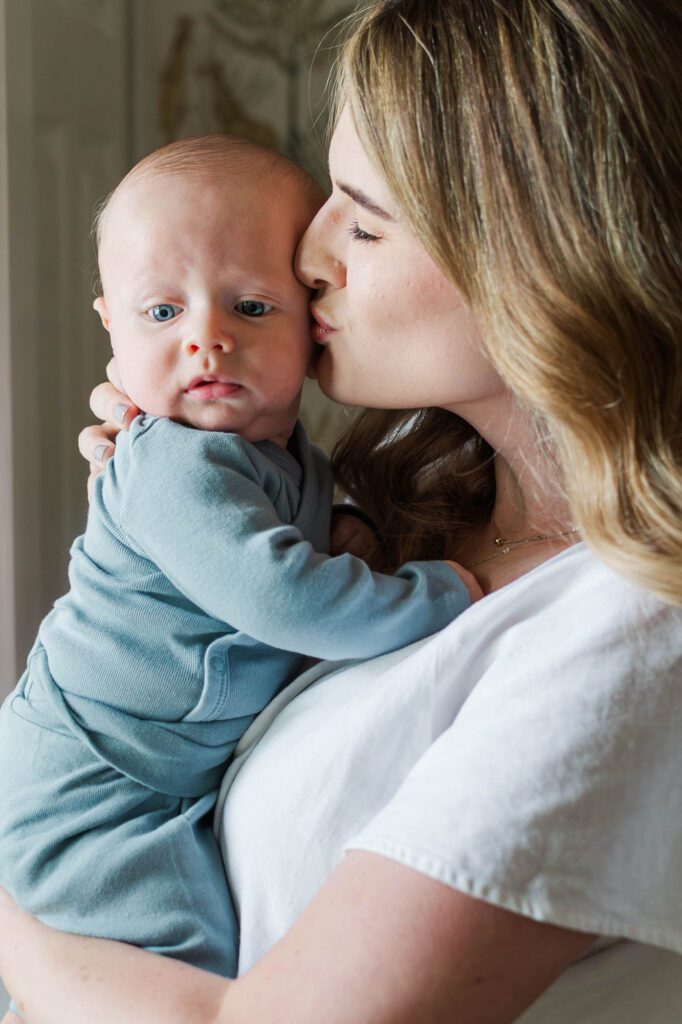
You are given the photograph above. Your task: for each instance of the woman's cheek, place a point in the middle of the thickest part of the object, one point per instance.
(337, 380)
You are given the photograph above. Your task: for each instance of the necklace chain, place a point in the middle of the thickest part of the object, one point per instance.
(511, 545)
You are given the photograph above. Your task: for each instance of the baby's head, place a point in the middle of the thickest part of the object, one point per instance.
(208, 322)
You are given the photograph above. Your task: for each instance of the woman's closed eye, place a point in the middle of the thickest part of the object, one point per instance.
(253, 307)
(355, 231)
(163, 312)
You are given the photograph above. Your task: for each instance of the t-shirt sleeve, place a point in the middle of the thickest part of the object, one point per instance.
(557, 790)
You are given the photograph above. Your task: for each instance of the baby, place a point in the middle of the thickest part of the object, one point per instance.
(203, 578)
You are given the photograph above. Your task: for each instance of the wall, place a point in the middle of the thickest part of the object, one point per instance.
(90, 86)
(65, 83)
(257, 68)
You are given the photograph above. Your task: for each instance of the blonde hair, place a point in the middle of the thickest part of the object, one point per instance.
(207, 158)
(534, 146)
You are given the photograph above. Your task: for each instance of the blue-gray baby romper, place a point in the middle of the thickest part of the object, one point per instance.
(201, 582)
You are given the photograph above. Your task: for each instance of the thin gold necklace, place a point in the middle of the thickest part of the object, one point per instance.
(511, 545)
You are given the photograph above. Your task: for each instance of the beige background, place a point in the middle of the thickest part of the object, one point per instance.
(86, 88)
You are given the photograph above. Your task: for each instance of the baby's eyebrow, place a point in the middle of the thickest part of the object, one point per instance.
(363, 200)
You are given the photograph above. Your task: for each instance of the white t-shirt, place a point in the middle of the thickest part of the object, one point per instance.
(530, 755)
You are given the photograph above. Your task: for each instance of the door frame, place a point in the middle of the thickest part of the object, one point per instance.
(19, 472)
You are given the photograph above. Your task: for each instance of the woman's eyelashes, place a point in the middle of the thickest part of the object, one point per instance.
(355, 231)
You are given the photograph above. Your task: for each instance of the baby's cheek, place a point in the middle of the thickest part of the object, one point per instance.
(150, 388)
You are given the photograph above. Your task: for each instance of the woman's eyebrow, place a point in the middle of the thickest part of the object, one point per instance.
(362, 200)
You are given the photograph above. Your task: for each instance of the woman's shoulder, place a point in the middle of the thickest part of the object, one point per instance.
(574, 610)
(550, 792)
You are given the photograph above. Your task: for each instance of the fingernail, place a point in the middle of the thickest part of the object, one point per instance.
(99, 452)
(120, 411)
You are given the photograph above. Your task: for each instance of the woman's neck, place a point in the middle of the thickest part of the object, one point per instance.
(529, 501)
(529, 494)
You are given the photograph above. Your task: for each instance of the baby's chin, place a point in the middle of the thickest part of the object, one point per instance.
(253, 429)
(209, 418)
(201, 415)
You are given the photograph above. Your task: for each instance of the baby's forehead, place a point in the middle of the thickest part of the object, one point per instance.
(214, 182)
(252, 188)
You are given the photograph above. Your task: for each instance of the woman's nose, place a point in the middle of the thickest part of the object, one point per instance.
(211, 332)
(316, 263)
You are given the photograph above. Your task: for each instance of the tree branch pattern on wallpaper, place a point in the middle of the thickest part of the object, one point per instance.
(259, 70)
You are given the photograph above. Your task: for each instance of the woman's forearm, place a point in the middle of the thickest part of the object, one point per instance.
(381, 943)
(54, 977)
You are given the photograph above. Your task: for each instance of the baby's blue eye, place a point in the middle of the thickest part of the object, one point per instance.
(164, 312)
(253, 307)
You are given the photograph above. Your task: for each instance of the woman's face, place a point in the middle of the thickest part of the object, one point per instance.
(393, 331)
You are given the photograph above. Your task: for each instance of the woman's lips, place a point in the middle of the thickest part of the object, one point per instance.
(208, 389)
(321, 329)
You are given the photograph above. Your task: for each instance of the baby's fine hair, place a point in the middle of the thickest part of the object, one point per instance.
(207, 158)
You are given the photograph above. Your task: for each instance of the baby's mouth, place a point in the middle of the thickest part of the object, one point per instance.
(210, 387)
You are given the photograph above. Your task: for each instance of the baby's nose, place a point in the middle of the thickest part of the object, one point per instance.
(211, 333)
(194, 345)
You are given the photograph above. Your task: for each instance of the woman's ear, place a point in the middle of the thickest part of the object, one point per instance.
(100, 306)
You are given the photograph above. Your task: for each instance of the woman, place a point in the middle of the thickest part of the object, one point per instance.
(498, 251)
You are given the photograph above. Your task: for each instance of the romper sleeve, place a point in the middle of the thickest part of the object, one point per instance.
(194, 504)
(556, 792)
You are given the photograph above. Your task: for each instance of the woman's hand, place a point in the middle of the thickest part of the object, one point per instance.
(110, 403)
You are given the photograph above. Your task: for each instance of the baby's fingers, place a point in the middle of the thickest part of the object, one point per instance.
(350, 535)
(468, 579)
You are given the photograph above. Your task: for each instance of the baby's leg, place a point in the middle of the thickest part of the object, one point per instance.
(90, 851)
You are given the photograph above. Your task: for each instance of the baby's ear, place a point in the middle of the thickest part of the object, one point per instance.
(100, 306)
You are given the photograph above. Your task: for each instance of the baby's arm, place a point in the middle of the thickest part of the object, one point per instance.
(352, 534)
(211, 529)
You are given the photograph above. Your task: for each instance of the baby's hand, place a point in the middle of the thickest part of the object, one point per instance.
(468, 579)
(350, 535)
(110, 403)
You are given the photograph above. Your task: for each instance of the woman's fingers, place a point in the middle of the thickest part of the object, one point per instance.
(96, 444)
(109, 403)
(112, 405)
(114, 377)
(91, 482)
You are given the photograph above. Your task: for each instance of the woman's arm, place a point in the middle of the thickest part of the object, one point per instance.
(380, 944)
(54, 977)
